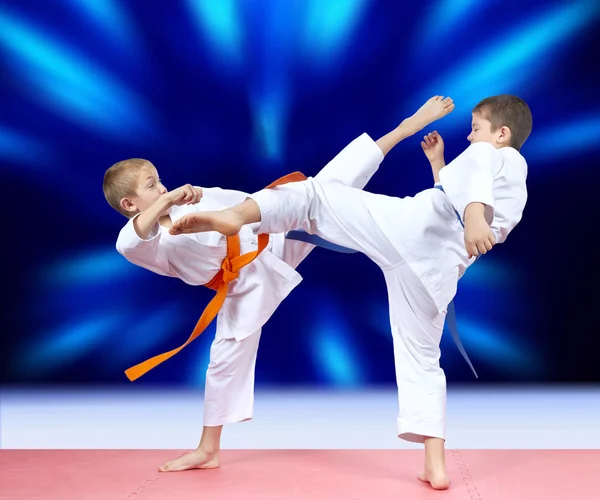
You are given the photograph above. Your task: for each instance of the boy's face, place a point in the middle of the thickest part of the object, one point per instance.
(149, 188)
(481, 131)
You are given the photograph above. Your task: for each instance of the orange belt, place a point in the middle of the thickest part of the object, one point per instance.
(230, 270)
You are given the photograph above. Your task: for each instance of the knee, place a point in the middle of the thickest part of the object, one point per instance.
(222, 367)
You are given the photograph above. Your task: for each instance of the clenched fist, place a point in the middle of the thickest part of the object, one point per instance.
(433, 147)
(479, 238)
(184, 195)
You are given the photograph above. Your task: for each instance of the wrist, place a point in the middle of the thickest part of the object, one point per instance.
(474, 211)
(437, 163)
(165, 202)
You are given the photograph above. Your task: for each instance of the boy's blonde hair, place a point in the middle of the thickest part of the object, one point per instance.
(120, 181)
(508, 111)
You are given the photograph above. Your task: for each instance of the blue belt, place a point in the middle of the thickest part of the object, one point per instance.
(313, 239)
(439, 186)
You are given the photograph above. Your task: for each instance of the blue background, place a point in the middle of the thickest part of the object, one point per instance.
(235, 94)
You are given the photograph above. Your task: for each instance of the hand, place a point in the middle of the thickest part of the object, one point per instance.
(479, 238)
(433, 147)
(184, 195)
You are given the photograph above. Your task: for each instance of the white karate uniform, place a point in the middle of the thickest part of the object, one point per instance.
(252, 298)
(418, 242)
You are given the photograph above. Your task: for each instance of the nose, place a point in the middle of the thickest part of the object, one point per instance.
(469, 138)
(162, 189)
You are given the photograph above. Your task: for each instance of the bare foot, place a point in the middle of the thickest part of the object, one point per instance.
(197, 459)
(435, 108)
(436, 477)
(226, 222)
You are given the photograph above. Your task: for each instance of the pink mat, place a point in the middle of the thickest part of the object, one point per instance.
(298, 474)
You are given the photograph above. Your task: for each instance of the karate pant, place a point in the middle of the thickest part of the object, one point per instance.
(339, 214)
(229, 388)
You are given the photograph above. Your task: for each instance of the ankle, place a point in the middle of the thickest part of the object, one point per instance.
(209, 449)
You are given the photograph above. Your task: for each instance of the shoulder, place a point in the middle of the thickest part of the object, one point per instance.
(512, 157)
(483, 149)
(127, 227)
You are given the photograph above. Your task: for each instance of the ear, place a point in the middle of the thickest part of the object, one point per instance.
(504, 135)
(128, 205)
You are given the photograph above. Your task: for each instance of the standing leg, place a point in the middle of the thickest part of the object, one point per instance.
(229, 394)
(416, 331)
(228, 398)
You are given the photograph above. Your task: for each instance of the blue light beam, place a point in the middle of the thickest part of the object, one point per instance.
(220, 23)
(497, 348)
(19, 148)
(96, 266)
(502, 67)
(578, 137)
(150, 329)
(329, 26)
(333, 351)
(71, 85)
(68, 343)
(108, 15)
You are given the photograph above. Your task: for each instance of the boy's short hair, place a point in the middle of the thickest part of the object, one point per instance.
(510, 111)
(120, 181)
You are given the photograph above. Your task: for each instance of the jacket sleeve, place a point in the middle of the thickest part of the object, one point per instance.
(469, 178)
(147, 253)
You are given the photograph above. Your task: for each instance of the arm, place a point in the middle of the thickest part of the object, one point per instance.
(479, 238)
(512, 212)
(511, 198)
(139, 240)
(435, 170)
(468, 182)
(470, 177)
(433, 147)
(146, 252)
(147, 221)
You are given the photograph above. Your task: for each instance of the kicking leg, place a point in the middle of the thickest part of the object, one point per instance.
(357, 163)
(416, 331)
(334, 212)
(354, 166)
(228, 398)
(230, 222)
